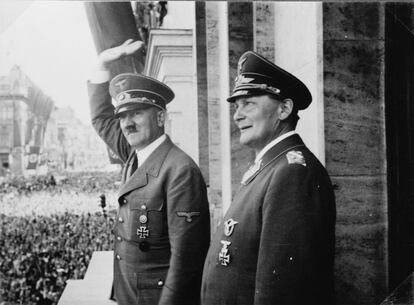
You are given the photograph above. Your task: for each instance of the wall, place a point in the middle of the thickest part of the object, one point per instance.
(353, 36)
(170, 59)
(300, 53)
(337, 49)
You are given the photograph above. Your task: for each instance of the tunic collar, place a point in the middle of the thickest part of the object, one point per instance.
(273, 143)
(144, 153)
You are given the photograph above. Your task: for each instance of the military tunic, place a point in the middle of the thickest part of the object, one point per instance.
(162, 229)
(276, 242)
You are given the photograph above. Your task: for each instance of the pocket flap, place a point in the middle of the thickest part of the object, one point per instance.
(152, 204)
(147, 280)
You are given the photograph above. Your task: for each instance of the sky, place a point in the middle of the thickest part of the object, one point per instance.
(52, 43)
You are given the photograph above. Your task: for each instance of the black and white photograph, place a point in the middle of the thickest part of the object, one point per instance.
(206, 152)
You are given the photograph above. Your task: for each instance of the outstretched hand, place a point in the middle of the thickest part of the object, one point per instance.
(129, 47)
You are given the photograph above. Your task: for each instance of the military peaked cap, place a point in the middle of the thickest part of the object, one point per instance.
(256, 76)
(132, 91)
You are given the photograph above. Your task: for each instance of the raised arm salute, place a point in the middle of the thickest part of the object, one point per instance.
(162, 228)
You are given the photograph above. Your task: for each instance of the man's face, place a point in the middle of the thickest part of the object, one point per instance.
(142, 126)
(257, 118)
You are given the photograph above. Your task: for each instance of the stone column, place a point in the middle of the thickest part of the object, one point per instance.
(355, 146)
(218, 117)
(298, 49)
(240, 29)
(202, 98)
(264, 29)
(17, 152)
(170, 59)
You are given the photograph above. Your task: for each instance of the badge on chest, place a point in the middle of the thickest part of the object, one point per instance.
(224, 254)
(143, 231)
(229, 226)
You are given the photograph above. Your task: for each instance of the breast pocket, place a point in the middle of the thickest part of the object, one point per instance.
(148, 218)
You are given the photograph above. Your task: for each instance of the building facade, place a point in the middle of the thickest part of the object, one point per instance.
(14, 116)
(71, 145)
(36, 137)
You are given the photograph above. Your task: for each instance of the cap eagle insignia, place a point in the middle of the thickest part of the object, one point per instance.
(121, 84)
(240, 64)
(241, 79)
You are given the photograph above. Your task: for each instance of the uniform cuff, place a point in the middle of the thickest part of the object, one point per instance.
(100, 76)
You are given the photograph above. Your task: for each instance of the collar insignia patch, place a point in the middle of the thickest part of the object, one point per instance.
(251, 171)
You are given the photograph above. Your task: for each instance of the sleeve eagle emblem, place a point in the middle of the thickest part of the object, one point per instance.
(188, 215)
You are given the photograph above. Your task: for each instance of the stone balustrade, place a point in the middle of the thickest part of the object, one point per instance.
(96, 287)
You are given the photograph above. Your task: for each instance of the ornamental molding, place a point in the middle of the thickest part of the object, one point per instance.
(164, 44)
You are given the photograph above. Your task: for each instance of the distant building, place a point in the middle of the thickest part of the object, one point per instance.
(17, 96)
(37, 137)
(72, 145)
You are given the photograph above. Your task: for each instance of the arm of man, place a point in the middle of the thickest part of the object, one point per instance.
(101, 108)
(189, 233)
(290, 239)
(102, 116)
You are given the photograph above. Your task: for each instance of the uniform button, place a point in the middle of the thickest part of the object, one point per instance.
(125, 200)
(143, 219)
(120, 219)
(144, 246)
(143, 207)
(160, 283)
(119, 238)
(118, 257)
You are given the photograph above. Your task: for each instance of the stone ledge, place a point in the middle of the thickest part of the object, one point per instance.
(95, 288)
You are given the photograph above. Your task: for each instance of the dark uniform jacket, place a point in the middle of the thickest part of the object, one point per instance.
(276, 243)
(162, 230)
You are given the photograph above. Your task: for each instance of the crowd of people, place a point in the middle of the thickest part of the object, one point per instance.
(40, 251)
(21, 185)
(38, 254)
(78, 182)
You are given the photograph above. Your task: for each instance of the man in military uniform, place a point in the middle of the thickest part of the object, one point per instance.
(162, 229)
(276, 242)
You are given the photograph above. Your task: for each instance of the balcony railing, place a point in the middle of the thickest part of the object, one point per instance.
(96, 286)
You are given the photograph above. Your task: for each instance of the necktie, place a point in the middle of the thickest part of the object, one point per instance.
(251, 171)
(132, 167)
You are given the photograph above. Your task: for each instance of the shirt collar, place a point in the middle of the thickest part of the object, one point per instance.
(273, 143)
(144, 153)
